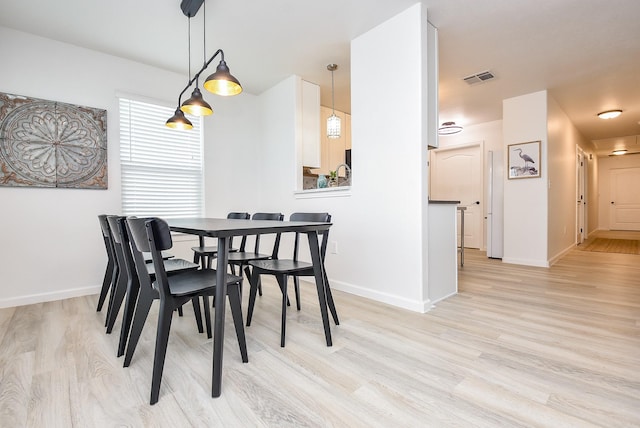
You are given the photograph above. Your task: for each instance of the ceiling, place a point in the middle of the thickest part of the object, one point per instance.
(585, 52)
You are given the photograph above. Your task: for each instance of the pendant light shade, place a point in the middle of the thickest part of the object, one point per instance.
(333, 121)
(179, 121)
(222, 82)
(333, 126)
(196, 105)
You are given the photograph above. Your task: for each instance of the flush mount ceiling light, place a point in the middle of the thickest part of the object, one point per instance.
(449, 128)
(619, 152)
(609, 114)
(333, 121)
(220, 83)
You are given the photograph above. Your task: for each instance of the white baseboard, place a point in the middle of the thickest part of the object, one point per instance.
(49, 297)
(390, 299)
(526, 262)
(561, 254)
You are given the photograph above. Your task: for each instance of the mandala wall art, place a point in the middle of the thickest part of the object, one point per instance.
(51, 144)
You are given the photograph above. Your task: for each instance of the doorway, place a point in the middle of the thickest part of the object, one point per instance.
(624, 210)
(456, 174)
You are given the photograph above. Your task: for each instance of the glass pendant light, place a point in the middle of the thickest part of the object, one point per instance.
(333, 121)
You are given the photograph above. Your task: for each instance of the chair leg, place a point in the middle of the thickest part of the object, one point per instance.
(114, 281)
(106, 284)
(207, 315)
(282, 282)
(332, 306)
(162, 339)
(196, 311)
(118, 297)
(235, 302)
(296, 284)
(142, 311)
(180, 311)
(133, 287)
(253, 289)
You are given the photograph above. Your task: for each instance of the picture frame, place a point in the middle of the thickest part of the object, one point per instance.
(523, 160)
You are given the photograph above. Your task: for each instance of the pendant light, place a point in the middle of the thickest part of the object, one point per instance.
(196, 105)
(221, 82)
(333, 121)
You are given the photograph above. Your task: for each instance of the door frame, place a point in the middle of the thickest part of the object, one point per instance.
(581, 196)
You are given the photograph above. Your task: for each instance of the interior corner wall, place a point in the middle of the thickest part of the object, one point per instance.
(526, 199)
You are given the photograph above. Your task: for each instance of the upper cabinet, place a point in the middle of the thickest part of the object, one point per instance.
(311, 124)
(332, 150)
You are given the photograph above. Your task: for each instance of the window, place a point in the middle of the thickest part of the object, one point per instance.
(162, 171)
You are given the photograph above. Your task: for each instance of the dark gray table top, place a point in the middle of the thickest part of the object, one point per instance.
(222, 227)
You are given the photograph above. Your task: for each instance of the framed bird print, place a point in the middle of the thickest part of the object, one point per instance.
(523, 160)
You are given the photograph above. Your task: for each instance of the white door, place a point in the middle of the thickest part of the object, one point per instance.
(624, 213)
(456, 174)
(580, 198)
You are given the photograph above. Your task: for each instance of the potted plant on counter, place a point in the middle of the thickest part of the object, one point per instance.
(333, 178)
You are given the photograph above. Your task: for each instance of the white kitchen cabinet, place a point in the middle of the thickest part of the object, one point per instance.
(311, 151)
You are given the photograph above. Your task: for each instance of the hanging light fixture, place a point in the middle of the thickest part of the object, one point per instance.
(220, 83)
(196, 105)
(333, 121)
(449, 128)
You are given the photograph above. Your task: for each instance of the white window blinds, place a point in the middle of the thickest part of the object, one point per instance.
(162, 171)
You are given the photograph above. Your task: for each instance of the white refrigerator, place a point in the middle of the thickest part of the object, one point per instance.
(495, 201)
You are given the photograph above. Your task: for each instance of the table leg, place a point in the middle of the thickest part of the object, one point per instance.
(318, 270)
(218, 326)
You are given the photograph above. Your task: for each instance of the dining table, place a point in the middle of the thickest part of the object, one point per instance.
(224, 230)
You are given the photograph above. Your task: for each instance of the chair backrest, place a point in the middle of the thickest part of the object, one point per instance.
(238, 216)
(116, 239)
(151, 235)
(273, 217)
(106, 237)
(121, 237)
(316, 217)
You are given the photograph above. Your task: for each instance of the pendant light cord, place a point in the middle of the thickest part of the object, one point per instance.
(189, 27)
(333, 108)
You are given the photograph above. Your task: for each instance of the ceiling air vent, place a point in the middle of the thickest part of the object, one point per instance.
(479, 77)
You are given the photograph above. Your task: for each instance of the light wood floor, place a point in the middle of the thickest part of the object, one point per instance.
(518, 346)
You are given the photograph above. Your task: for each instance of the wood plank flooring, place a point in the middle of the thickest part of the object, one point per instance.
(518, 346)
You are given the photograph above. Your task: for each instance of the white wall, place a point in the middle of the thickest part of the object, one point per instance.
(605, 165)
(525, 200)
(563, 137)
(375, 220)
(50, 241)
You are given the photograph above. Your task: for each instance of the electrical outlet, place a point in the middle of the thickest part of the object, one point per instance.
(334, 247)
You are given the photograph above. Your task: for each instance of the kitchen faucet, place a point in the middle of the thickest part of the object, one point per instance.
(347, 176)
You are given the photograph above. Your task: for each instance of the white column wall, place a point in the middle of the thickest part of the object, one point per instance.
(525, 199)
